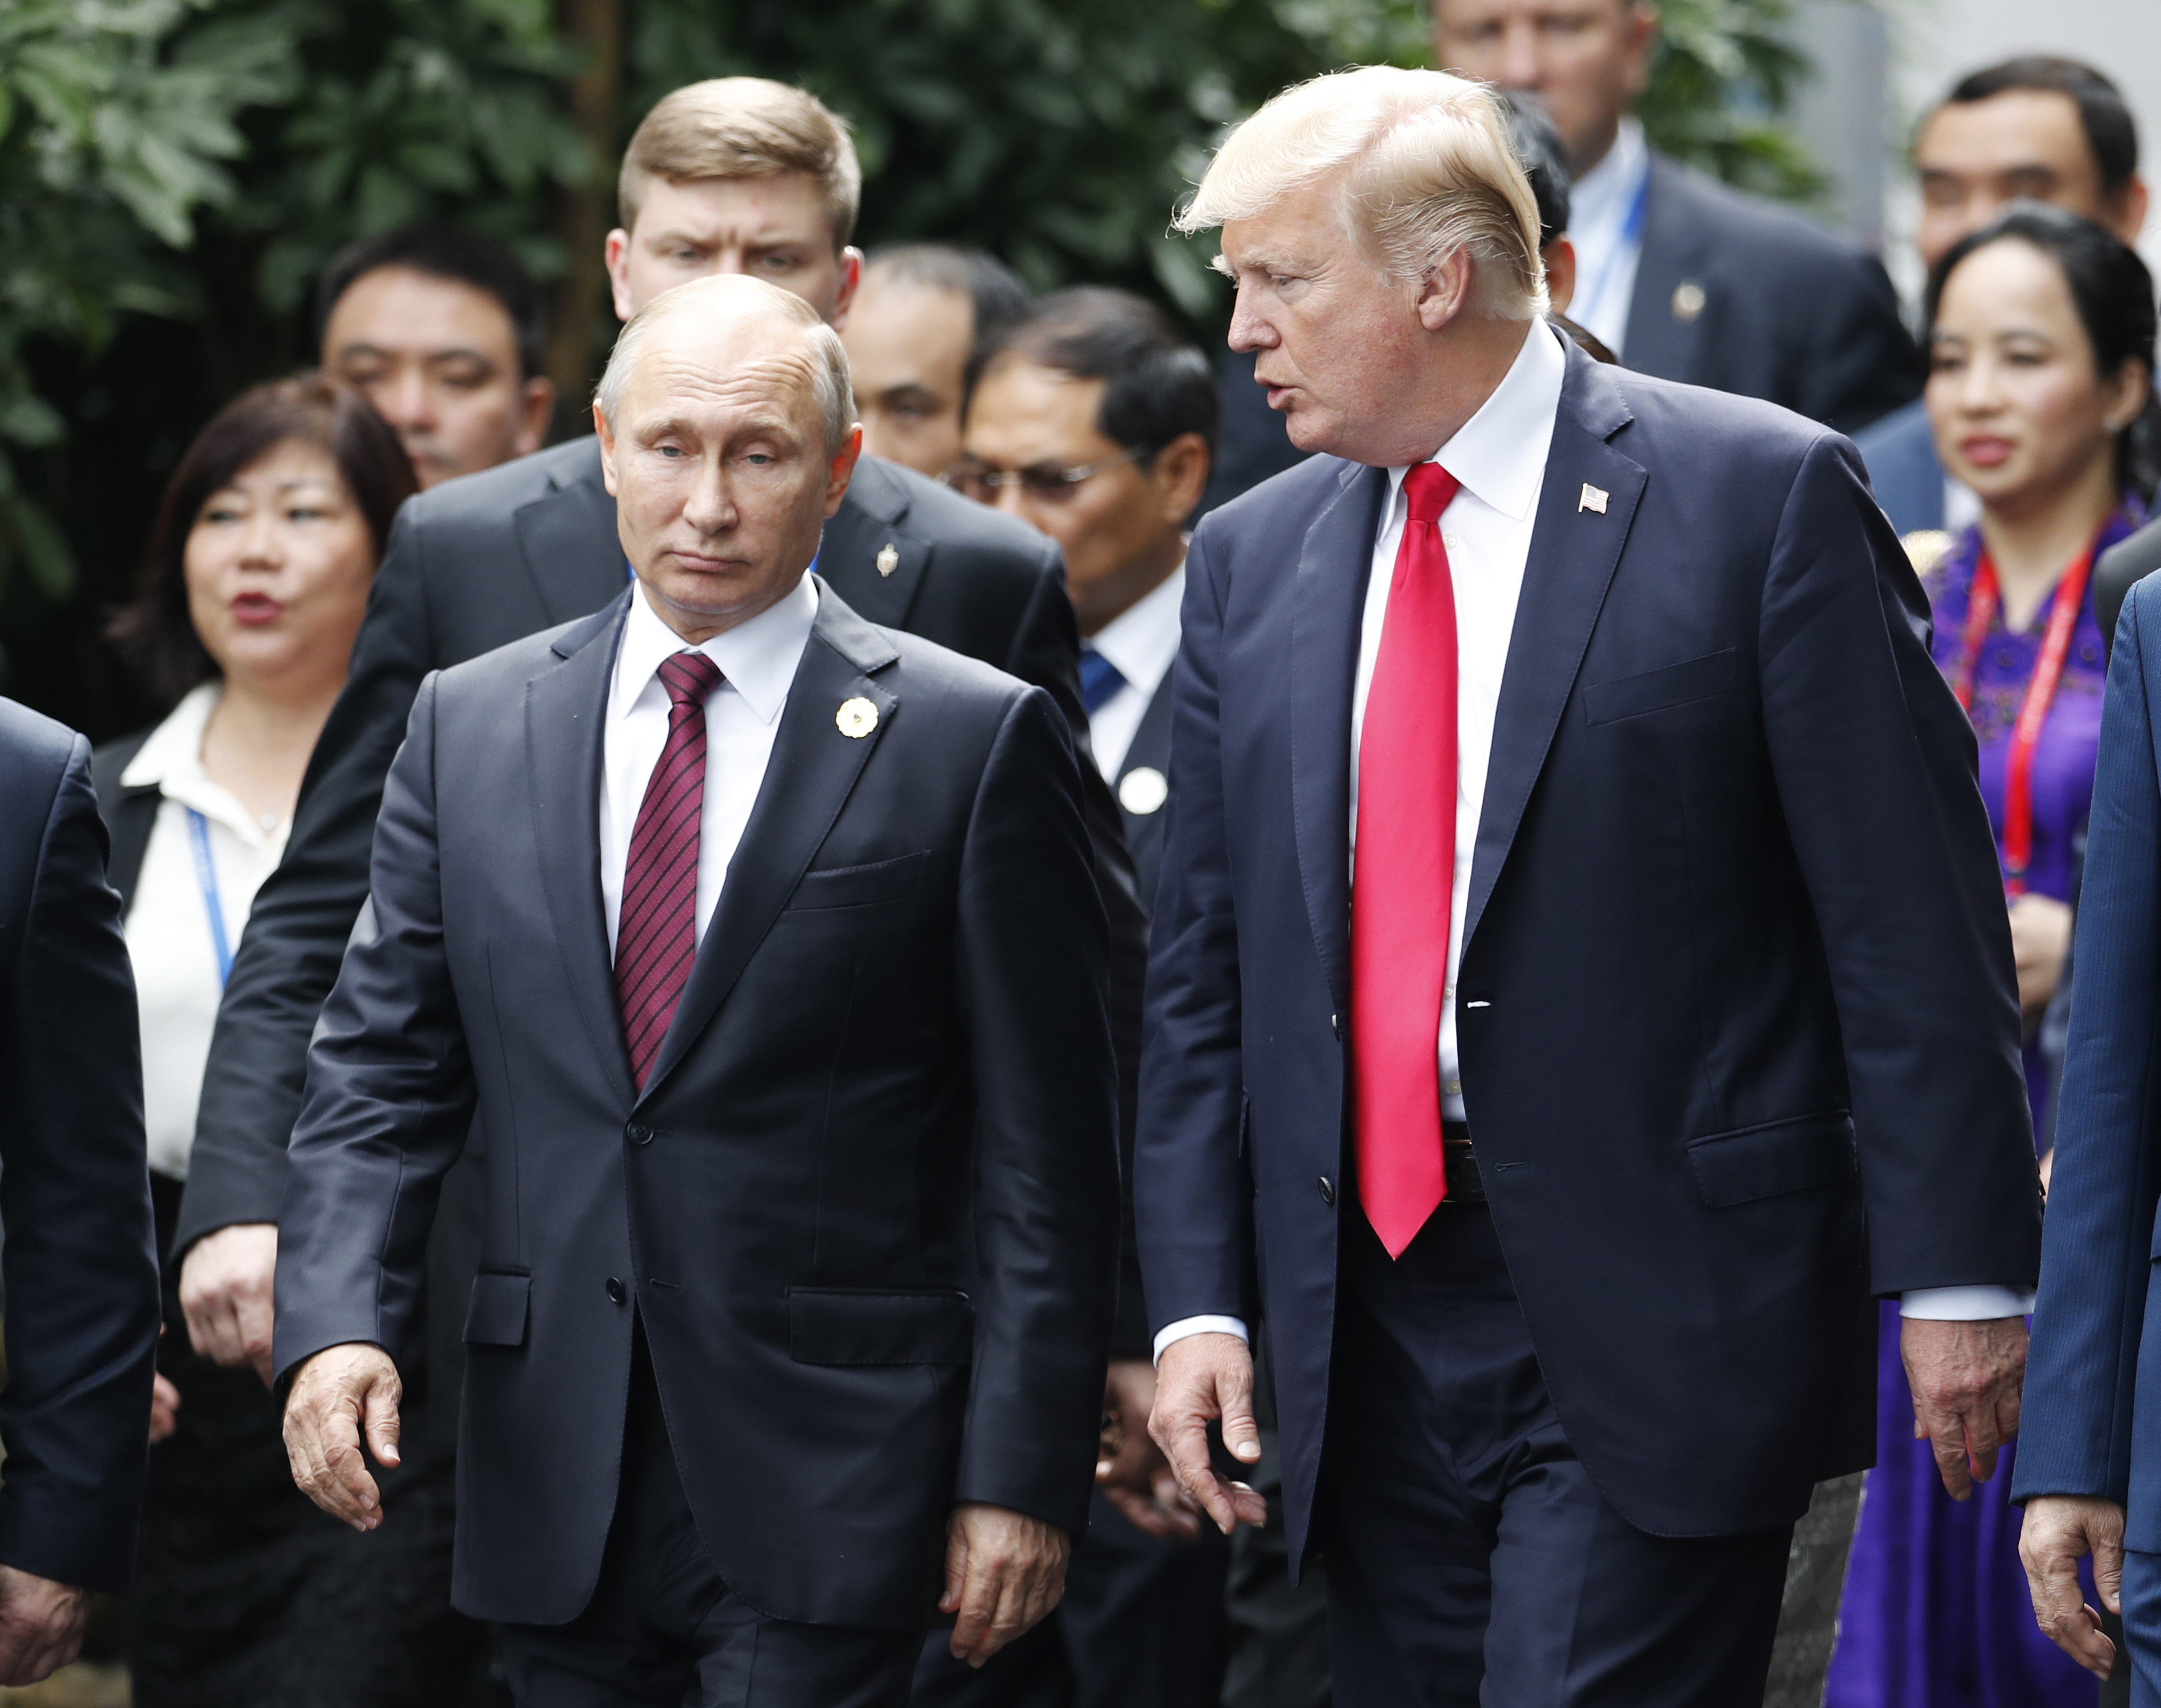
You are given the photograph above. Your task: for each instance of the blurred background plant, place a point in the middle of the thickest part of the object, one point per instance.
(173, 173)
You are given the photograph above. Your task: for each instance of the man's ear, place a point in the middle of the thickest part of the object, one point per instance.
(1181, 467)
(1444, 292)
(536, 408)
(615, 253)
(841, 470)
(851, 278)
(606, 436)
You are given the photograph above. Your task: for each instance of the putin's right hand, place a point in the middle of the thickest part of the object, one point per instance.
(1198, 1379)
(226, 1282)
(340, 1396)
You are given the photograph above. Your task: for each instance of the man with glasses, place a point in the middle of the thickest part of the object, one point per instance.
(1095, 420)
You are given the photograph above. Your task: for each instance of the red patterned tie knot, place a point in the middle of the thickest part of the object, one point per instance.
(1430, 488)
(689, 678)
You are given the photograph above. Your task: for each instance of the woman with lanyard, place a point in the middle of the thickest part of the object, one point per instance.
(2041, 341)
(252, 589)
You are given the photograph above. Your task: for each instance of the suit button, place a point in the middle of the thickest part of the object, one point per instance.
(616, 1291)
(638, 1132)
(1328, 1191)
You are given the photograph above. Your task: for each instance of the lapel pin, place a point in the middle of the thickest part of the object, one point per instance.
(1143, 790)
(1593, 498)
(856, 718)
(1688, 301)
(888, 560)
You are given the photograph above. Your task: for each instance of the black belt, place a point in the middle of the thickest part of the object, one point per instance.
(1459, 1164)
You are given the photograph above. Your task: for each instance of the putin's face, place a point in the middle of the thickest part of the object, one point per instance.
(720, 464)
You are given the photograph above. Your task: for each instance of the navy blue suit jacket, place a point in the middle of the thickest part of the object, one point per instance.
(2092, 1424)
(1900, 452)
(1734, 906)
(80, 1270)
(866, 1203)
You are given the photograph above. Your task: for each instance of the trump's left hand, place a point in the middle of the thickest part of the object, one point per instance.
(1004, 1571)
(1966, 1378)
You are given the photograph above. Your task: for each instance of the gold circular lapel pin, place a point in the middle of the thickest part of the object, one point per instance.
(856, 718)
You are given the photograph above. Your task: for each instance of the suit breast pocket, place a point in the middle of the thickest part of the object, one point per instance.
(1658, 690)
(860, 885)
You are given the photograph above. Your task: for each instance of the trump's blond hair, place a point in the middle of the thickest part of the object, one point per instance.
(1425, 170)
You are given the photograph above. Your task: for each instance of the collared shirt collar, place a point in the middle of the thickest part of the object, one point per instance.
(170, 761)
(758, 657)
(1603, 195)
(1486, 453)
(1142, 641)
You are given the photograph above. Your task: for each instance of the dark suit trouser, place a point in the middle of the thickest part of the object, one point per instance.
(1470, 1560)
(662, 1627)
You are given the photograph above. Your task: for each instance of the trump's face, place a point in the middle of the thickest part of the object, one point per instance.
(720, 466)
(1340, 350)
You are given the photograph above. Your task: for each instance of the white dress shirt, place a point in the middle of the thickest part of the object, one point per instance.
(1606, 223)
(1499, 457)
(179, 982)
(1141, 642)
(757, 662)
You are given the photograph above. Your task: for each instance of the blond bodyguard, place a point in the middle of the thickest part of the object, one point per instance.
(1425, 169)
(736, 128)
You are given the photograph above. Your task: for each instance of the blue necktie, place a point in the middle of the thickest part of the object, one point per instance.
(1099, 679)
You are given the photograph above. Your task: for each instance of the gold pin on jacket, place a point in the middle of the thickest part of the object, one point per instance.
(888, 560)
(1593, 498)
(856, 718)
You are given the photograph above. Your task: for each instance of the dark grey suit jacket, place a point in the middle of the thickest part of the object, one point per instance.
(866, 1203)
(480, 562)
(1743, 295)
(2123, 565)
(82, 1275)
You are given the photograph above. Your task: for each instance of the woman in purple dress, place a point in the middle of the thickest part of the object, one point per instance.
(2040, 393)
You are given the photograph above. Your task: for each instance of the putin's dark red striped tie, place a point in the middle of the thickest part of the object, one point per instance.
(656, 938)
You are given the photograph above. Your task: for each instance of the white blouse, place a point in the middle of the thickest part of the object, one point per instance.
(179, 979)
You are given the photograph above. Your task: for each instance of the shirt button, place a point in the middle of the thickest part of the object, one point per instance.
(1453, 542)
(638, 1132)
(1328, 1191)
(1454, 1088)
(617, 1292)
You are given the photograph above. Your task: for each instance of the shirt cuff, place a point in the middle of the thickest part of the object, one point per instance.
(1200, 1325)
(1965, 1303)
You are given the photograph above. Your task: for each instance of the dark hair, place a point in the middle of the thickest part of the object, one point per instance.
(995, 292)
(1160, 385)
(154, 628)
(1536, 139)
(2111, 132)
(2114, 294)
(445, 252)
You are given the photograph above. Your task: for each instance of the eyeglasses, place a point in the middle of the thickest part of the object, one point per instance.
(1045, 486)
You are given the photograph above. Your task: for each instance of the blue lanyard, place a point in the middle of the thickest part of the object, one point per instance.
(1593, 296)
(206, 876)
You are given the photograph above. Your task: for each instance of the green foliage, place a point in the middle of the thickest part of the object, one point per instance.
(1725, 70)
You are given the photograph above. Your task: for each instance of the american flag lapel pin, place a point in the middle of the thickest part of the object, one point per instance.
(1593, 498)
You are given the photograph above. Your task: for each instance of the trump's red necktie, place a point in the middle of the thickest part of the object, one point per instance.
(657, 937)
(1403, 878)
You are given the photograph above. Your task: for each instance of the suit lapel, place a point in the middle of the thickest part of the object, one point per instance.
(565, 707)
(568, 539)
(813, 769)
(1574, 553)
(865, 556)
(1328, 601)
(1663, 322)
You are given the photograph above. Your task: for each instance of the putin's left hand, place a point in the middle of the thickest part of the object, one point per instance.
(1967, 1379)
(1004, 1571)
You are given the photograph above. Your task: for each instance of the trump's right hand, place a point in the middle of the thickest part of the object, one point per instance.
(1197, 1379)
(339, 1395)
(2058, 1531)
(226, 1282)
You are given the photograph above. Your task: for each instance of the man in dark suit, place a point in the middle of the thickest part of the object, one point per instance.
(1664, 1018)
(2121, 568)
(80, 1272)
(2034, 128)
(1681, 277)
(739, 175)
(1093, 420)
(765, 947)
